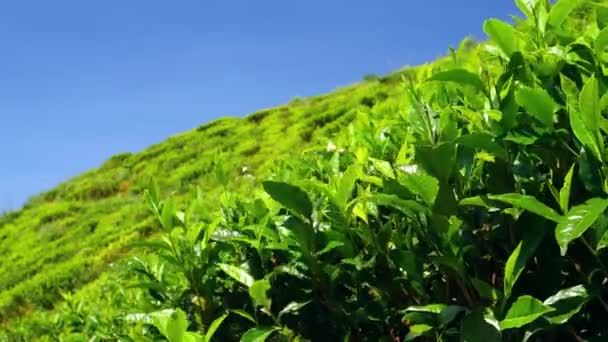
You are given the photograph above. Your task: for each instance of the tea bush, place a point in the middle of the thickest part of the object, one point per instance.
(475, 212)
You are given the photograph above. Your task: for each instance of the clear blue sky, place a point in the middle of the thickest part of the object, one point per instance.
(83, 80)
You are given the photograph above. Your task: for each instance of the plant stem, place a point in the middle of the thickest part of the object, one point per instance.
(592, 251)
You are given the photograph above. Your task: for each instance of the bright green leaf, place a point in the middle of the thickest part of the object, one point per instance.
(171, 323)
(384, 167)
(601, 43)
(214, 326)
(528, 203)
(292, 197)
(564, 193)
(537, 102)
(502, 34)
(291, 308)
(238, 274)
(560, 11)
(416, 331)
(525, 310)
(257, 292)
(479, 328)
(259, 334)
(578, 220)
(422, 185)
(460, 76)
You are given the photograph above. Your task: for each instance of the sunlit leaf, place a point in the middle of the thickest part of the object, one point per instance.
(528, 203)
(238, 274)
(290, 196)
(578, 220)
(537, 102)
(525, 310)
(502, 34)
(258, 334)
(567, 303)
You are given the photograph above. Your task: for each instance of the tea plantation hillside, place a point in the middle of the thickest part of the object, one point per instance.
(462, 200)
(65, 238)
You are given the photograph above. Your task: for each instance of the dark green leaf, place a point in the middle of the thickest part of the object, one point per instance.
(477, 328)
(578, 220)
(567, 303)
(293, 198)
(484, 142)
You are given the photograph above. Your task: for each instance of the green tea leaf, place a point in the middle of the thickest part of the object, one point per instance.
(560, 11)
(528, 203)
(291, 308)
(601, 43)
(292, 197)
(502, 34)
(567, 303)
(167, 218)
(258, 334)
(525, 310)
(484, 142)
(416, 331)
(214, 326)
(589, 105)
(171, 323)
(407, 207)
(603, 243)
(246, 315)
(347, 184)
(237, 274)
(564, 193)
(519, 258)
(460, 76)
(257, 292)
(422, 185)
(384, 167)
(583, 134)
(537, 102)
(578, 220)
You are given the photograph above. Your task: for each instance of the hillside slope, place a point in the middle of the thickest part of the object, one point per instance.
(66, 237)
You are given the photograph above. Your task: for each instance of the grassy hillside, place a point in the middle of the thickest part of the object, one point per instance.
(66, 237)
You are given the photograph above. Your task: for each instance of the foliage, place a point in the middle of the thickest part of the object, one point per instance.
(471, 208)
